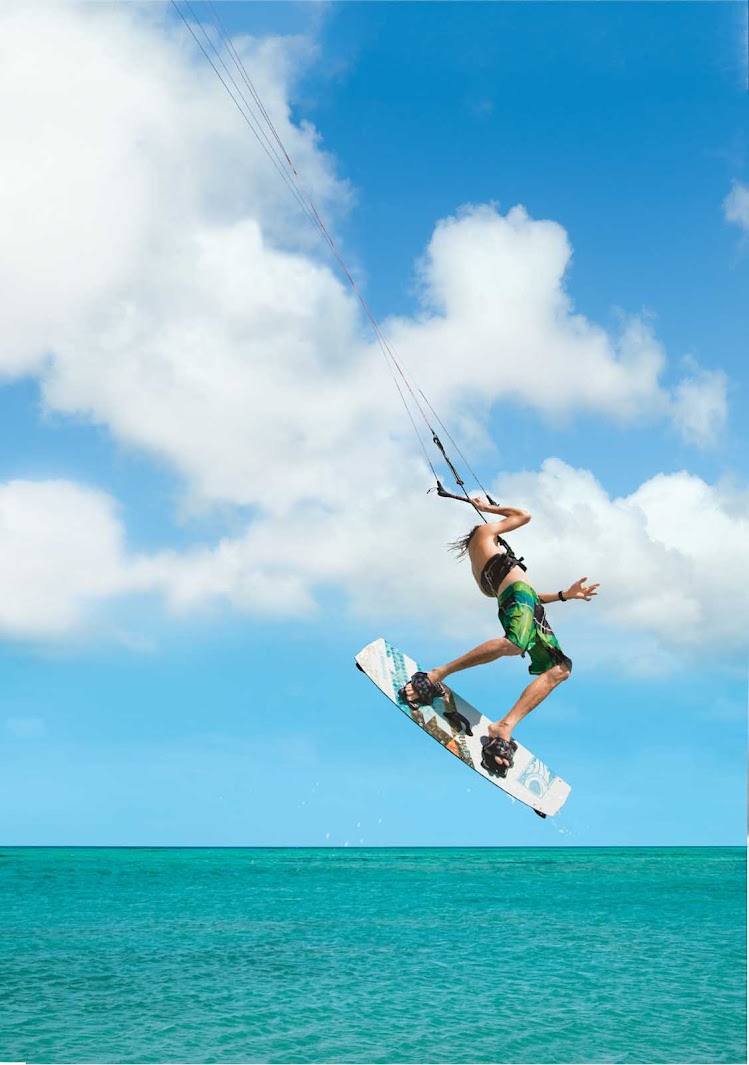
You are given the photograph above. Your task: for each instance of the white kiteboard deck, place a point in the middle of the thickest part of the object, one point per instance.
(529, 781)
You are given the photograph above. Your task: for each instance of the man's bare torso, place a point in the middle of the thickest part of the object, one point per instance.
(484, 546)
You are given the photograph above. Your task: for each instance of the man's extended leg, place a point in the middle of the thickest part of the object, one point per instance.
(535, 693)
(479, 656)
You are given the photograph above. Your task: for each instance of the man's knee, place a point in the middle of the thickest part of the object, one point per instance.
(561, 661)
(560, 672)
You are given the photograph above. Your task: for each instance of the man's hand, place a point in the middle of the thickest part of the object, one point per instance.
(581, 590)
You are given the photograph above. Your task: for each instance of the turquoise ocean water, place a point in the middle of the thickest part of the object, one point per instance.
(476, 955)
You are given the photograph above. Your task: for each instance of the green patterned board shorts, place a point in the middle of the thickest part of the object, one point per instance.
(523, 618)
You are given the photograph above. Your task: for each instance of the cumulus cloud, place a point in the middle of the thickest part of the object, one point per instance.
(497, 287)
(118, 151)
(700, 406)
(61, 552)
(159, 281)
(736, 206)
(668, 556)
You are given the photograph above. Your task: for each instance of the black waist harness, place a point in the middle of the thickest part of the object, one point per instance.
(497, 568)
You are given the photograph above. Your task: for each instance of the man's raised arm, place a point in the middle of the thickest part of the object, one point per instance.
(514, 517)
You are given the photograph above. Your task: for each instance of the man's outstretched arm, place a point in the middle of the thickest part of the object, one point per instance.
(578, 590)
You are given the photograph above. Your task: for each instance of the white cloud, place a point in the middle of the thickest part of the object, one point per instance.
(700, 406)
(736, 206)
(159, 280)
(116, 145)
(670, 558)
(61, 552)
(497, 288)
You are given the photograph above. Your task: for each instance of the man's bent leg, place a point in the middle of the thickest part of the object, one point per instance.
(535, 693)
(479, 656)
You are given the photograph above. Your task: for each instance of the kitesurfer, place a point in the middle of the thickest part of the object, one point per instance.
(500, 574)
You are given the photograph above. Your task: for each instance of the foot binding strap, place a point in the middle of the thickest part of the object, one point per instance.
(495, 747)
(424, 689)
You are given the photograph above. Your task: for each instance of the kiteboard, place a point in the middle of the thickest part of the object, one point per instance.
(529, 780)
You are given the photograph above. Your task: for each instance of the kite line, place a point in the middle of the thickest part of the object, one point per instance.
(222, 55)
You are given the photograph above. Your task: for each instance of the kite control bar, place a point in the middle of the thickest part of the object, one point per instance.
(442, 491)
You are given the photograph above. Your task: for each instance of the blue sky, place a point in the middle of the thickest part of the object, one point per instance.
(210, 499)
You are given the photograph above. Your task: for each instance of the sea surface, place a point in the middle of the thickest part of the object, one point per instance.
(384, 955)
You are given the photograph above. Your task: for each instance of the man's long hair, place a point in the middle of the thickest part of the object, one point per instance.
(459, 547)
